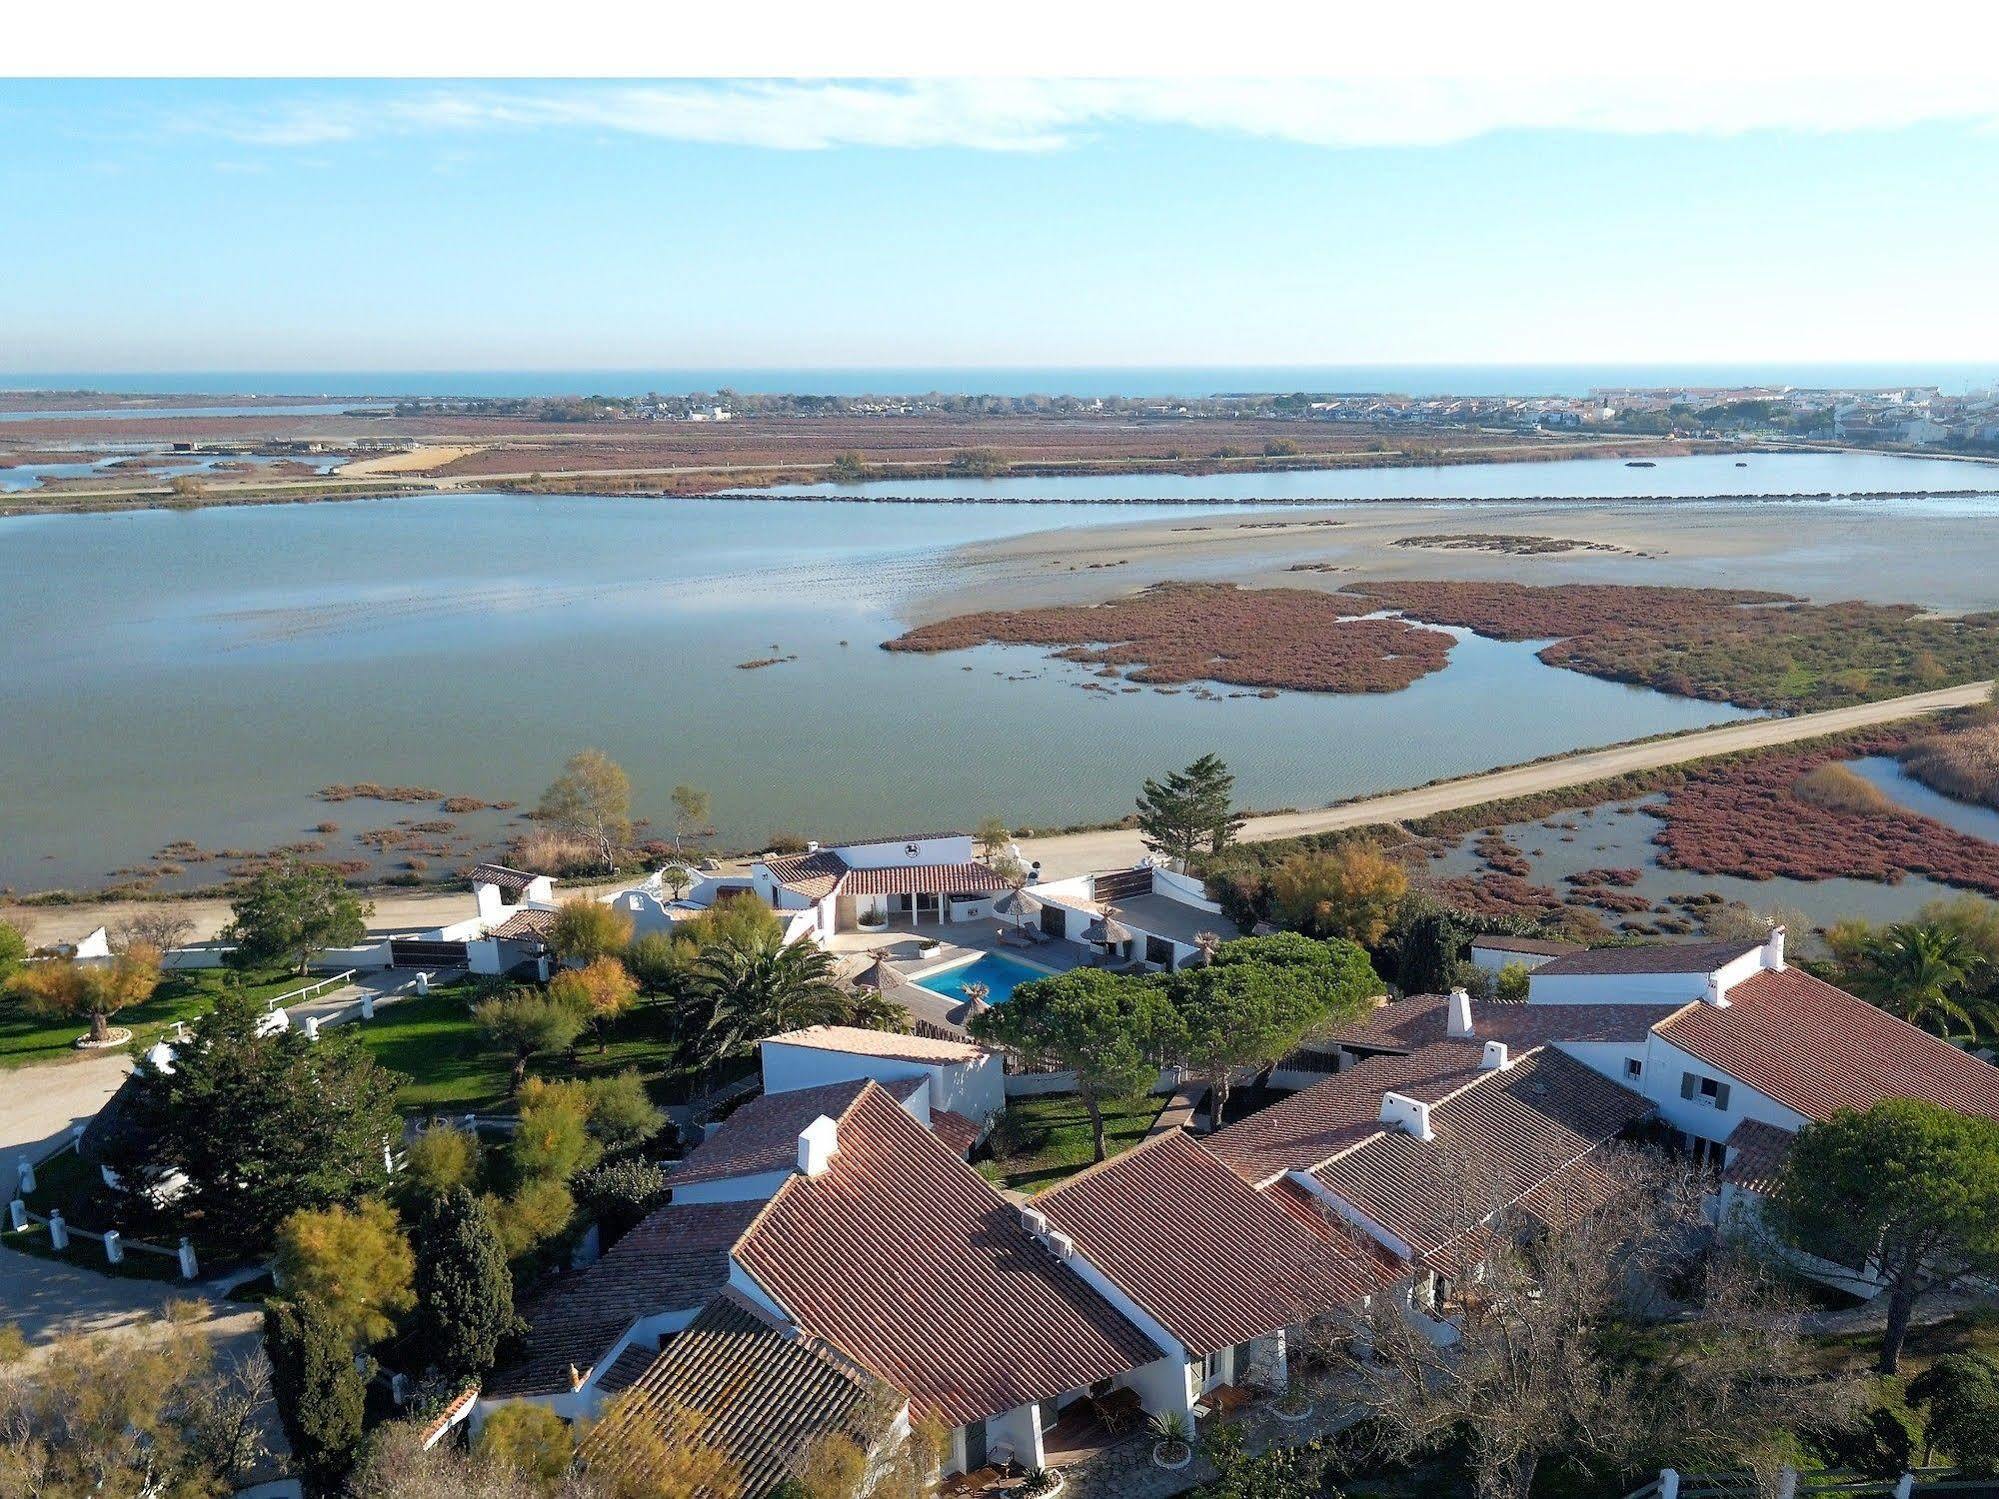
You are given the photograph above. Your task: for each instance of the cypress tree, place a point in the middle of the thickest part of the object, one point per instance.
(465, 1293)
(319, 1392)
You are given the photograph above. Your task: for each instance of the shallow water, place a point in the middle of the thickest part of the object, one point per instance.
(1619, 835)
(199, 674)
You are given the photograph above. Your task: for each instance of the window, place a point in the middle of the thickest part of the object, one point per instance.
(1158, 951)
(1709, 1092)
(1633, 1069)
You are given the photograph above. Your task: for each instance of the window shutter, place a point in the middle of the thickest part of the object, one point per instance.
(1687, 1084)
(1721, 1095)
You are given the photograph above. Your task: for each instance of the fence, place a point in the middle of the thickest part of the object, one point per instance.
(307, 991)
(116, 1245)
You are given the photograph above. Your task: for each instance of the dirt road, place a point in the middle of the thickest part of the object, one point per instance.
(1113, 848)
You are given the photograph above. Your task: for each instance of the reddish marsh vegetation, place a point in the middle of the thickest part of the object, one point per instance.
(1757, 650)
(1185, 632)
(1747, 819)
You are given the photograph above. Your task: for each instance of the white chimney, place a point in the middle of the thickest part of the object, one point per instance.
(1407, 1115)
(812, 847)
(1773, 949)
(1458, 1016)
(818, 1143)
(1713, 996)
(1495, 1058)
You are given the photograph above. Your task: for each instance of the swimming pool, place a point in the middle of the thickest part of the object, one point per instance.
(1001, 976)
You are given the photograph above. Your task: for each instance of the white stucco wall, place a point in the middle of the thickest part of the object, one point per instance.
(976, 1089)
(1664, 1064)
(894, 852)
(1493, 959)
(760, 1187)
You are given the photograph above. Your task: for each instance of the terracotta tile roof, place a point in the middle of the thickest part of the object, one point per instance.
(1500, 1138)
(1214, 1260)
(1405, 1024)
(1756, 1155)
(530, 922)
(762, 1135)
(908, 1262)
(915, 879)
(454, 1411)
(626, 1368)
(1311, 1126)
(895, 1045)
(675, 1260)
(1652, 957)
(513, 881)
(1539, 946)
(813, 875)
(766, 1394)
(958, 1133)
(1817, 1049)
(1362, 1264)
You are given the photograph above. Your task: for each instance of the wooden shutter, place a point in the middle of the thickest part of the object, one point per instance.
(1688, 1082)
(1721, 1095)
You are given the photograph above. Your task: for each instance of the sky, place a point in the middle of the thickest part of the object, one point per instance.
(383, 225)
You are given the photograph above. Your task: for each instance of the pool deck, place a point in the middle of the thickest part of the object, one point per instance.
(958, 944)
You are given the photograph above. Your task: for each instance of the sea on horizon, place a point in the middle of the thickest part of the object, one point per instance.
(1087, 381)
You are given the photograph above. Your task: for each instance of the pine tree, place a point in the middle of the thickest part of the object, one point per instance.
(1191, 807)
(465, 1294)
(318, 1391)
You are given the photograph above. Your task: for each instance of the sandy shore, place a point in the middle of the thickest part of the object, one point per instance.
(1826, 553)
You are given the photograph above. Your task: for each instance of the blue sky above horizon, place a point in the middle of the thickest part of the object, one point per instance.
(382, 225)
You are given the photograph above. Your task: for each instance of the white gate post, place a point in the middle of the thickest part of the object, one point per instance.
(1905, 1486)
(312, 1027)
(1669, 1483)
(26, 1169)
(190, 1267)
(422, 984)
(114, 1247)
(1787, 1482)
(17, 1213)
(367, 1004)
(58, 1231)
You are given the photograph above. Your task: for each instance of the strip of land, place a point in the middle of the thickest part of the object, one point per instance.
(1109, 848)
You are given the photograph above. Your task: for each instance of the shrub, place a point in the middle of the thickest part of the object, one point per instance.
(355, 1264)
(1512, 985)
(1837, 788)
(1964, 764)
(620, 1194)
(319, 1392)
(439, 1159)
(530, 1439)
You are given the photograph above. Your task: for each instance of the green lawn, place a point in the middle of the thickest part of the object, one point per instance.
(27, 1038)
(452, 1068)
(1039, 1141)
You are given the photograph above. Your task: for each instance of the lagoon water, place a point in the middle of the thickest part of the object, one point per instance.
(200, 674)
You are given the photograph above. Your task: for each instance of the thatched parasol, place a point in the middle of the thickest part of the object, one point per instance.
(886, 977)
(1019, 905)
(1108, 930)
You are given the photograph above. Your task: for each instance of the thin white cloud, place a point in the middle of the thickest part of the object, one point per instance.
(1044, 115)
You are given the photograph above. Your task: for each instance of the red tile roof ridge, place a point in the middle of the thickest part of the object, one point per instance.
(1484, 1076)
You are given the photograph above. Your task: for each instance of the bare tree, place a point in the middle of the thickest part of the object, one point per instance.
(1606, 1327)
(163, 927)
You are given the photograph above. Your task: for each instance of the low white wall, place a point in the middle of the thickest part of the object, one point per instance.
(368, 955)
(1019, 1429)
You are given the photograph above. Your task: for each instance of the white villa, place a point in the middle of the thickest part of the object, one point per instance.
(1146, 914)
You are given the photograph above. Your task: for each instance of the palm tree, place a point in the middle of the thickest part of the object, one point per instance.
(872, 1010)
(1918, 970)
(758, 986)
(1205, 944)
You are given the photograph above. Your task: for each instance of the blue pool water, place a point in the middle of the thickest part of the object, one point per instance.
(1001, 976)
